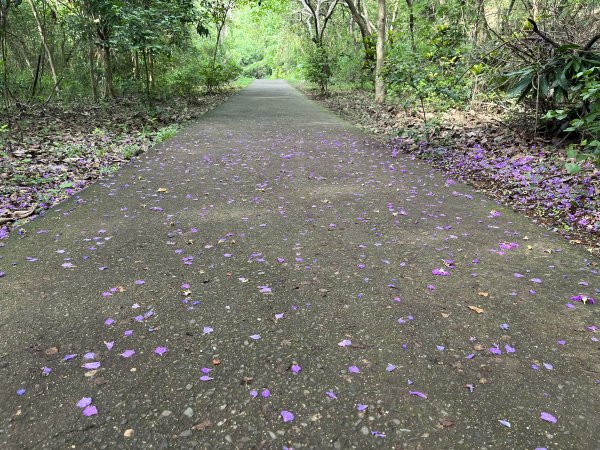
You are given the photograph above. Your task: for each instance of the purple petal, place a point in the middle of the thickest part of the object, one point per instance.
(547, 417)
(90, 411)
(207, 330)
(548, 366)
(92, 365)
(69, 357)
(255, 337)
(509, 349)
(109, 345)
(21, 392)
(109, 321)
(353, 369)
(206, 378)
(361, 407)
(85, 401)
(265, 393)
(506, 423)
(331, 394)
(495, 351)
(418, 394)
(345, 343)
(253, 393)
(295, 368)
(161, 350)
(287, 416)
(128, 353)
(390, 368)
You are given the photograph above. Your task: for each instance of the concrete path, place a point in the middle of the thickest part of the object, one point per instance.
(272, 278)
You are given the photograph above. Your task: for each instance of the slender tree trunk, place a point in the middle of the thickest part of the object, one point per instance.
(108, 78)
(145, 59)
(3, 49)
(380, 90)
(42, 34)
(364, 32)
(411, 25)
(366, 15)
(92, 67)
(37, 73)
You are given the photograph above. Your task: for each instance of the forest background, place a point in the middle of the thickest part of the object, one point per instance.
(504, 94)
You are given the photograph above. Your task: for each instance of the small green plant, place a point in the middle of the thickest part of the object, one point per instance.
(165, 133)
(131, 150)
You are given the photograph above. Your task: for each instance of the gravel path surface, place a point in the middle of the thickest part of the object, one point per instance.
(272, 278)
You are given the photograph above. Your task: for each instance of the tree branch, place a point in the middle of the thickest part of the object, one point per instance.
(541, 34)
(591, 43)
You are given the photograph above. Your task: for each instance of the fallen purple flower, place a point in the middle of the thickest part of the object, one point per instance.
(128, 353)
(417, 394)
(440, 272)
(547, 417)
(345, 343)
(390, 367)
(161, 350)
(90, 411)
(255, 337)
(206, 378)
(295, 368)
(69, 357)
(253, 393)
(266, 393)
(21, 392)
(353, 369)
(92, 365)
(509, 349)
(495, 351)
(506, 423)
(331, 394)
(361, 407)
(85, 401)
(287, 416)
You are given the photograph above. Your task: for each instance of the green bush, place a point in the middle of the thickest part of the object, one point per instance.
(318, 68)
(220, 75)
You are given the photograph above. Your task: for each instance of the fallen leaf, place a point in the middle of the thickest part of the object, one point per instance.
(476, 309)
(128, 433)
(202, 425)
(483, 294)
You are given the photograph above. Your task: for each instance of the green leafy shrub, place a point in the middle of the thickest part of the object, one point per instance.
(318, 68)
(216, 77)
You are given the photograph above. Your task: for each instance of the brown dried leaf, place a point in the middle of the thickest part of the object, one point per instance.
(202, 425)
(476, 309)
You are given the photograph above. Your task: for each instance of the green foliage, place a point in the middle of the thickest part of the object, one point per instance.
(435, 72)
(582, 114)
(220, 75)
(165, 133)
(318, 68)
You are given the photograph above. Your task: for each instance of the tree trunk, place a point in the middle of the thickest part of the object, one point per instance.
(364, 31)
(411, 25)
(145, 59)
(366, 14)
(44, 43)
(108, 79)
(381, 37)
(93, 76)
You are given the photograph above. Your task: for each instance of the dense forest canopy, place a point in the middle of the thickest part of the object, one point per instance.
(542, 54)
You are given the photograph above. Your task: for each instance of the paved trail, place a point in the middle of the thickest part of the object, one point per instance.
(286, 265)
